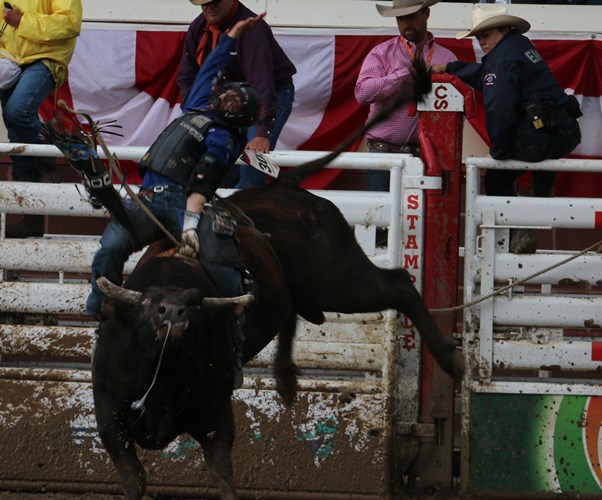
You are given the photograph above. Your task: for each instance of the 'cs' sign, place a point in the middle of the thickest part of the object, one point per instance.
(443, 97)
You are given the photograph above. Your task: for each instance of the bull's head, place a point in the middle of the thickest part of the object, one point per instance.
(170, 312)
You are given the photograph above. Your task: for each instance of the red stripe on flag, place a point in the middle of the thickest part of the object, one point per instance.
(596, 351)
(463, 49)
(48, 106)
(158, 55)
(343, 114)
(598, 220)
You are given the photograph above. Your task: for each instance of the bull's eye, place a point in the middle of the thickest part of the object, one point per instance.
(162, 309)
(181, 312)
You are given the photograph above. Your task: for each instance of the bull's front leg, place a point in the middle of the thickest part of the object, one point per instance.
(219, 461)
(131, 473)
(285, 369)
(122, 451)
(217, 449)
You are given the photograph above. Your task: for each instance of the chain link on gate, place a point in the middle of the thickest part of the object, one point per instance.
(505, 288)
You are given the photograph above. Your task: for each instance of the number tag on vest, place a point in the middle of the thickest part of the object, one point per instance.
(261, 162)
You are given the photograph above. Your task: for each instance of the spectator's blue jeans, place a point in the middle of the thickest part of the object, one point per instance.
(118, 243)
(20, 107)
(285, 95)
(377, 180)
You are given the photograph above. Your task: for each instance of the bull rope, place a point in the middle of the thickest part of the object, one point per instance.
(139, 403)
(519, 282)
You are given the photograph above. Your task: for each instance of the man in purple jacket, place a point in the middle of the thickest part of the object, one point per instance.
(259, 61)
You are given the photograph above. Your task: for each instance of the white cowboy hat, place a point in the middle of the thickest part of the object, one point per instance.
(493, 16)
(404, 7)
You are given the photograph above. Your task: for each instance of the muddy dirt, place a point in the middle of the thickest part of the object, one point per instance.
(56, 496)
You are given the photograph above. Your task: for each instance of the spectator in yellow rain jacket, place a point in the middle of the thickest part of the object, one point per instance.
(37, 39)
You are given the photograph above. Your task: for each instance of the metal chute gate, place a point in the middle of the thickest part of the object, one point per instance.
(532, 399)
(373, 407)
(359, 391)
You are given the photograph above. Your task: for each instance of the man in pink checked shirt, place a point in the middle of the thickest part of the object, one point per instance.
(385, 71)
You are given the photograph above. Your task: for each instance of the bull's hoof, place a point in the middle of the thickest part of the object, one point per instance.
(287, 391)
(454, 367)
(286, 383)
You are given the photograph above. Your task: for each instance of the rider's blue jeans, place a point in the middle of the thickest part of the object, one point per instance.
(118, 243)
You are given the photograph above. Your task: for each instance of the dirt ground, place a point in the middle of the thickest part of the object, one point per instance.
(4, 495)
(55, 496)
(71, 496)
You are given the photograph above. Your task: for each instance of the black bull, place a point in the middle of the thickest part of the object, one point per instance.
(176, 330)
(311, 265)
(319, 267)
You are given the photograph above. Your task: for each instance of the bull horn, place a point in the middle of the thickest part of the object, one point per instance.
(116, 292)
(241, 300)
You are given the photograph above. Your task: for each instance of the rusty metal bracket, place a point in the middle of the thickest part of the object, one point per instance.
(416, 429)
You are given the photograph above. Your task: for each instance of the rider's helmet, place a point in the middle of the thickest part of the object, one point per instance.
(237, 103)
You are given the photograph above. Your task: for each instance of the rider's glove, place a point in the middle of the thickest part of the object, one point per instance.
(190, 237)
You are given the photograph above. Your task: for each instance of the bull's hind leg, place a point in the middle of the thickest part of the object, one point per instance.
(285, 370)
(379, 289)
(442, 347)
(217, 448)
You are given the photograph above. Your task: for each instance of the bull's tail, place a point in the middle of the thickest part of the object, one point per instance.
(420, 87)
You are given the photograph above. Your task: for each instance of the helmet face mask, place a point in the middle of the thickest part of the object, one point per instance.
(237, 103)
(229, 102)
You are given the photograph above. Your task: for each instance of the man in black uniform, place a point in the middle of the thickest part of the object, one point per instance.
(528, 115)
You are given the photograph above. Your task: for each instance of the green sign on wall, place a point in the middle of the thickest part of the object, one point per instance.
(535, 443)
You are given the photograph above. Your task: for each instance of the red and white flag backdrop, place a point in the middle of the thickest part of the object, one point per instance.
(130, 75)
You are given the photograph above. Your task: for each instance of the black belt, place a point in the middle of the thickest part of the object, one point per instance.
(385, 147)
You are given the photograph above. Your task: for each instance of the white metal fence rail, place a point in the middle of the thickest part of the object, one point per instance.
(523, 329)
(350, 364)
(59, 256)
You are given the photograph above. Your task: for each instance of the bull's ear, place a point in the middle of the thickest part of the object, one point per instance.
(114, 314)
(237, 311)
(110, 313)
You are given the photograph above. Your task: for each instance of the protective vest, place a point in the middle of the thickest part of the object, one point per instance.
(179, 148)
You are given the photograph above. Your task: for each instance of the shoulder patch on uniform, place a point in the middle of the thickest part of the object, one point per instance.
(489, 79)
(533, 56)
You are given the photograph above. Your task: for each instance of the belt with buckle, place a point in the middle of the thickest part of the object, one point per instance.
(152, 190)
(385, 147)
